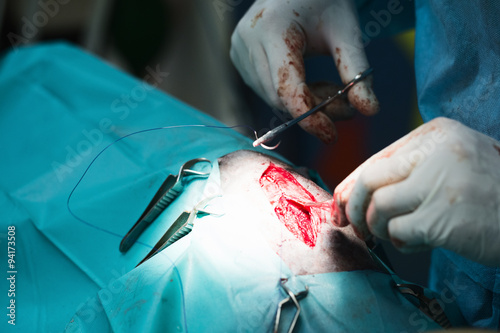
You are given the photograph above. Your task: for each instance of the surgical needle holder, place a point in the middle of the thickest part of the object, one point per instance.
(283, 127)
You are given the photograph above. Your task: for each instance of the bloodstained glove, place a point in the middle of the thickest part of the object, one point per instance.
(438, 186)
(268, 46)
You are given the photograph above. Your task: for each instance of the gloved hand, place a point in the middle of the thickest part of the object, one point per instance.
(268, 47)
(438, 186)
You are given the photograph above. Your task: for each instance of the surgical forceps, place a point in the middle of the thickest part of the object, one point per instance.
(429, 306)
(168, 191)
(283, 127)
(182, 226)
(293, 298)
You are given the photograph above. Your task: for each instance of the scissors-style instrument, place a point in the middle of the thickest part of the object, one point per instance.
(283, 127)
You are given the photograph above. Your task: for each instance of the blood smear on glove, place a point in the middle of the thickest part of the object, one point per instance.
(295, 207)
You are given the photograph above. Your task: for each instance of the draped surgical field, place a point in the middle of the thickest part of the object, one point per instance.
(292, 213)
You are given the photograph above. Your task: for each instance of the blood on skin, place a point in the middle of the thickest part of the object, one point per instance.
(340, 218)
(298, 99)
(298, 66)
(257, 17)
(307, 98)
(389, 151)
(294, 206)
(295, 43)
(294, 39)
(338, 52)
(283, 75)
(362, 104)
(299, 103)
(397, 242)
(497, 148)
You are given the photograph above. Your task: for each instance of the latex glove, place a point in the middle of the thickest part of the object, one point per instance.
(268, 45)
(438, 186)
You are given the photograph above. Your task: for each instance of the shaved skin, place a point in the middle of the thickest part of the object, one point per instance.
(293, 214)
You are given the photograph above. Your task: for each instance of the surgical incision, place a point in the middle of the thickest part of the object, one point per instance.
(296, 208)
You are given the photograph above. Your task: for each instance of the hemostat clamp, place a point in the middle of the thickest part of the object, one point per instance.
(170, 189)
(294, 298)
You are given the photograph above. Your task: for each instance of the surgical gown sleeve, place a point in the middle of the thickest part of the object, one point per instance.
(457, 65)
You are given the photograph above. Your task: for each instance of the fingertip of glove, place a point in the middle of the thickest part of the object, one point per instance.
(339, 217)
(328, 139)
(398, 243)
(360, 233)
(319, 125)
(363, 99)
(325, 131)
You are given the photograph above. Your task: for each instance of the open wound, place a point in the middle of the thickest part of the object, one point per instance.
(295, 207)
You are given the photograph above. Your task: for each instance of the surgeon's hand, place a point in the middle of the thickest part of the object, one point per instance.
(438, 186)
(268, 46)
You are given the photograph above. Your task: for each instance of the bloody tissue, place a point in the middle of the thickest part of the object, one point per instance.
(295, 207)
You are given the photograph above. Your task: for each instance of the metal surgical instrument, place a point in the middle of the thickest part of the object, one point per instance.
(168, 191)
(429, 306)
(283, 127)
(416, 295)
(180, 228)
(291, 297)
